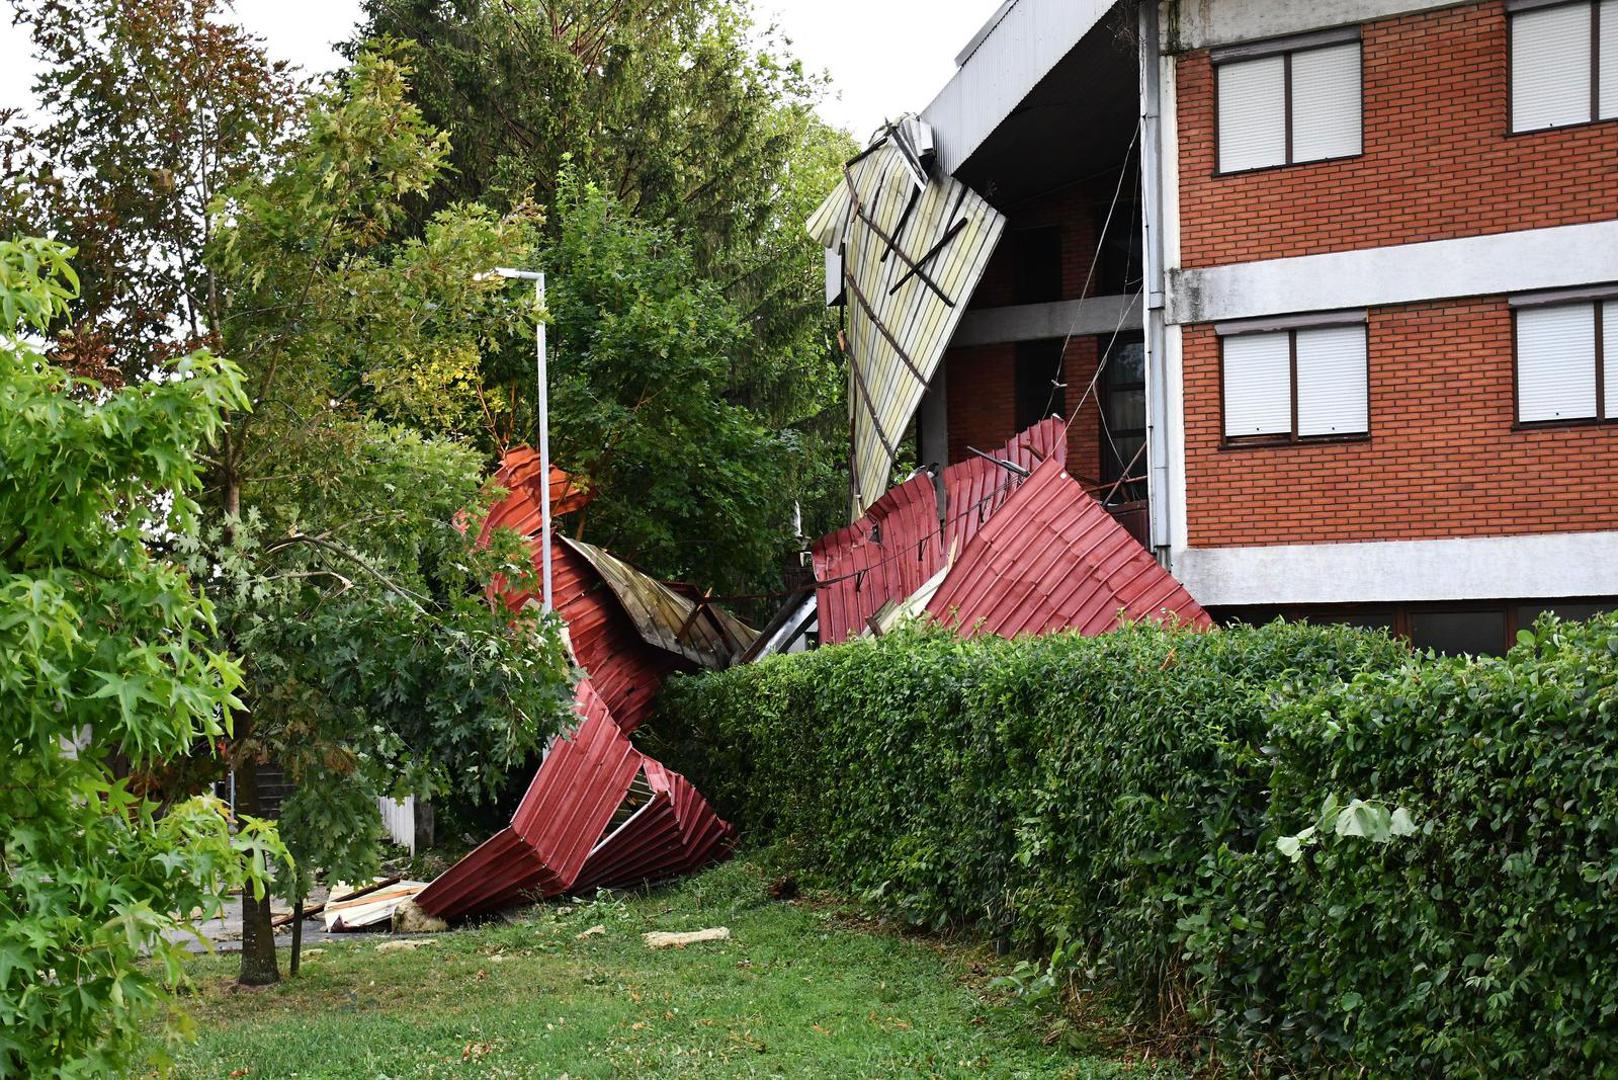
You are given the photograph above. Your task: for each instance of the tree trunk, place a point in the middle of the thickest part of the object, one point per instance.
(297, 931)
(258, 937)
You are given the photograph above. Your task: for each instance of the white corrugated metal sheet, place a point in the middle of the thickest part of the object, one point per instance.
(399, 820)
(1000, 67)
(911, 260)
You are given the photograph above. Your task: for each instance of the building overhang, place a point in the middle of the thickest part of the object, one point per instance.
(1047, 82)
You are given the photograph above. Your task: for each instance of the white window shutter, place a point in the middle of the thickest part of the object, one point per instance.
(1556, 363)
(1333, 398)
(1609, 346)
(1326, 103)
(1252, 114)
(1258, 385)
(1550, 67)
(1609, 59)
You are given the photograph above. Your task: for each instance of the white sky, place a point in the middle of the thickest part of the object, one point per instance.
(886, 57)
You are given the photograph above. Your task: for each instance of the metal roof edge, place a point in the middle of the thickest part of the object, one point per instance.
(983, 32)
(1002, 63)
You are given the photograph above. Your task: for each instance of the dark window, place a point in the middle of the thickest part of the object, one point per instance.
(1037, 254)
(1479, 633)
(1123, 435)
(1039, 377)
(1569, 612)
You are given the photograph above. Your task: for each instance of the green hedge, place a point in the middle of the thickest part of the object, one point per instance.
(1121, 799)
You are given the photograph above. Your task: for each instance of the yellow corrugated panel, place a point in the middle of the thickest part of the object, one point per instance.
(899, 323)
(665, 618)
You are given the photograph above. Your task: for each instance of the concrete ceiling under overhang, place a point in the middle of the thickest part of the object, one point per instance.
(1077, 122)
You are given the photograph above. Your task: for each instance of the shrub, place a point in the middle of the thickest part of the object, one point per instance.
(1141, 802)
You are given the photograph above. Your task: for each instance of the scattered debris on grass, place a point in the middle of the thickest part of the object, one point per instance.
(402, 946)
(594, 931)
(658, 939)
(409, 918)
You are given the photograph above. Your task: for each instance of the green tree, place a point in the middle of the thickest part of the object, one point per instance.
(149, 110)
(372, 661)
(375, 664)
(691, 128)
(106, 664)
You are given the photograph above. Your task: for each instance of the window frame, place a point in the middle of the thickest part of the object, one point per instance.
(1287, 48)
(1292, 327)
(1515, 8)
(1109, 463)
(1597, 303)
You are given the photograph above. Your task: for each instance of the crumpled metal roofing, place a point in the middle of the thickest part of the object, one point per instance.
(598, 812)
(625, 669)
(563, 837)
(867, 570)
(911, 257)
(695, 629)
(1052, 558)
(976, 488)
(883, 557)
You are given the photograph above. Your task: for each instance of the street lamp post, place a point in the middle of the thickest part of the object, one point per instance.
(538, 278)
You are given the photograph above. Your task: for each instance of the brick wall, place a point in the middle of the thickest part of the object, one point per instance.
(1438, 162)
(1073, 212)
(982, 399)
(1442, 460)
(981, 380)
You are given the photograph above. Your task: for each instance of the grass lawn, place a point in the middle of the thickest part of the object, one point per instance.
(800, 990)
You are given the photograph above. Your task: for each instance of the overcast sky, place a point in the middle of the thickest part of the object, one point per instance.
(886, 57)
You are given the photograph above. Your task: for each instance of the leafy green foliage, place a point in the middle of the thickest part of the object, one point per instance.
(1479, 943)
(691, 483)
(149, 111)
(374, 662)
(1135, 801)
(697, 133)
(105, 656)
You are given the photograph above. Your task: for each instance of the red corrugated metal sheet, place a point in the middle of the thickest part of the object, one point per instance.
(975, 489)
(889, 553)
(674, 833)
(881, 558)
(499, 872)
(561, 838)
(571, 800)
(1051, 559)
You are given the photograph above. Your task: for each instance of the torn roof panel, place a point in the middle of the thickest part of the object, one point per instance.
(500, 872)
(974, 489)
(584, 823)
(881, 558)
(571, 800)
(912, 257)
(1052, 558)
(519, 476)
(692, 628)
(874, 569)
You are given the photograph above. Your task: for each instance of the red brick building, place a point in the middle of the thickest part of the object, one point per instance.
(1329, 289)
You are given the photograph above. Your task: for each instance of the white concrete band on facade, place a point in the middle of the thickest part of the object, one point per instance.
(1560, 257)
(1397, 571)
(1199, 24)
